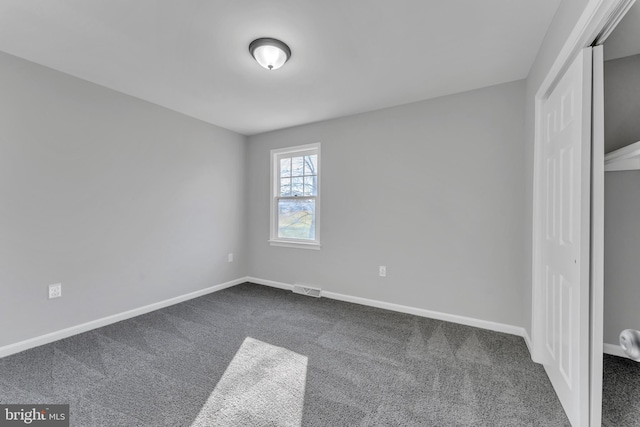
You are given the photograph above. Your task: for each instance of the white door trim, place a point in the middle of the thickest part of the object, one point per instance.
(599, 17)
(597, 240)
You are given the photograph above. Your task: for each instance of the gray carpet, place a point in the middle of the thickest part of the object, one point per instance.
(364, 367)
(263, 385)
(620, 392)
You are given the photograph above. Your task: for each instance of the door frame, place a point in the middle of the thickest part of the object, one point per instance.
(596, 318)
(597, 21)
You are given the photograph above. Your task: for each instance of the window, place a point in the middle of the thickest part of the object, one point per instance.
(295, 196)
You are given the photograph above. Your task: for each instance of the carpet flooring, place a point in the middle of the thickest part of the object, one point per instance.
(620, 392)
(263, 385)
(364, 366)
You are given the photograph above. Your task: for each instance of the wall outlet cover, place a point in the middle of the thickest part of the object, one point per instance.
(55, 290)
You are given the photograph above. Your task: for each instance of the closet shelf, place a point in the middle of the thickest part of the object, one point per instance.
(624, 159)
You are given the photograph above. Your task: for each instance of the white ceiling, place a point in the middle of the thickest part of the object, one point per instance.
(349, 56)
(625, 38)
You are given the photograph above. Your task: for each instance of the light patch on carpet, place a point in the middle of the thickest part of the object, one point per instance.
(263, 385)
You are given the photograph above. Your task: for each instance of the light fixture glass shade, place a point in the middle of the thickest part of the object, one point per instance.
(270, 53)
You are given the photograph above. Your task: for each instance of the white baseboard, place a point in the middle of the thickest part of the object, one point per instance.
(74, 330)
(273, 284)
(614, 350)
(527, 341)
(94, 324)
(469, 321)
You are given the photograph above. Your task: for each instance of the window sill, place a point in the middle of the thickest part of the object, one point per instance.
(299, 245)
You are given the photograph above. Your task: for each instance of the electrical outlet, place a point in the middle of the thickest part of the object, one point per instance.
(55, 291)
(382, 271)
(230, 258)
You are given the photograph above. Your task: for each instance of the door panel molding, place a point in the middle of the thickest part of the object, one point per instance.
(563, 251)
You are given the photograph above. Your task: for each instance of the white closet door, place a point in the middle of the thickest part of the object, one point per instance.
(565, 226)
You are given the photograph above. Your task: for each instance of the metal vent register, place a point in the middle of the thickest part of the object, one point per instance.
(307, 290)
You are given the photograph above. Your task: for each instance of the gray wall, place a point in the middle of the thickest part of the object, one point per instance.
(622, 201)
(433, 190)
(124, 202)
(621, 102)
(563, 22)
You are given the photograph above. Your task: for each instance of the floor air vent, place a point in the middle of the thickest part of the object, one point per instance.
(307, 290)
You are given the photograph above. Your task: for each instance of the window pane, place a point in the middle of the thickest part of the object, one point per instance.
(310, 186)
(311, 165)
(297, 186)
(285, 167)
(296, 219)
(285, 186)
(297, 166)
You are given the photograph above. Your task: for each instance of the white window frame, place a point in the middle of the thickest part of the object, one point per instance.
(276, 154)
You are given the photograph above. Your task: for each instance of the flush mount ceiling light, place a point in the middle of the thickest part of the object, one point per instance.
(270, 53)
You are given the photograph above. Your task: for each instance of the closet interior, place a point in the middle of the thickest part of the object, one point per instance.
(621, 380)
